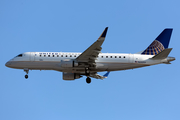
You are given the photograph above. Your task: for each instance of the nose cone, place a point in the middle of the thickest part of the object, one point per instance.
(8, 64)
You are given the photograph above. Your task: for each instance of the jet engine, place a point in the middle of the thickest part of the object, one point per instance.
(71, 76)
(67, 63)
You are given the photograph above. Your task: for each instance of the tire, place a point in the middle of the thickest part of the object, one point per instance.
(26, 76)
(88, 80)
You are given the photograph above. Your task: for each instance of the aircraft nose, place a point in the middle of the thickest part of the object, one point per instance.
(8, 64)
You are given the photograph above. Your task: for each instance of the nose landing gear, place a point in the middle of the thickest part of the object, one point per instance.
(88, 80)
(27, 71)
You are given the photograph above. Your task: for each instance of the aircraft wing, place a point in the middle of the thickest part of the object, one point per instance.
(90, 54)
(97, 76)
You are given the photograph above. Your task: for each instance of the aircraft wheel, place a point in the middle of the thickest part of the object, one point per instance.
(88, 80)
(26, 76)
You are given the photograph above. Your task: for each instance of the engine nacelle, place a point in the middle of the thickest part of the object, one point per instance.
(71, 76)
(67, 63)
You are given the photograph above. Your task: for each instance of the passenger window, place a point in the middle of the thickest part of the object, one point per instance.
(115, 57)
(44, 55)
(53, 55)
(111, 56)
(40, 55)
(66, 55)
(106, 56)
(57, 55)
(48, 55)
(119, 56)
(70, 55)
(61, 55)
(74, 55)
(124, 57)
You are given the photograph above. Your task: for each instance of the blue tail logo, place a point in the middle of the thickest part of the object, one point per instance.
(159, 44)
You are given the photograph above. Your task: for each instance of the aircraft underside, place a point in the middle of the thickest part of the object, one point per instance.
(56, 66)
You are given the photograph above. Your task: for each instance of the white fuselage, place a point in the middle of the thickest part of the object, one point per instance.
(104, 62)
(91, 61)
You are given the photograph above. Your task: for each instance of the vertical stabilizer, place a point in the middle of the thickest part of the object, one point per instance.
(160, 43)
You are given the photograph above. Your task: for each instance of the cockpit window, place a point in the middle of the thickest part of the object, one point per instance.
(20, 55)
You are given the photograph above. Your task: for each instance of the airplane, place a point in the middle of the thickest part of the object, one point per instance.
(88, 63)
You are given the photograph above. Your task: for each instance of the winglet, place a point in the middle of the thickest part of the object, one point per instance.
(103, 33)
(106, 75)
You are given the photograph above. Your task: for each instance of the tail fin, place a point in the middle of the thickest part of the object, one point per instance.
(160, 43)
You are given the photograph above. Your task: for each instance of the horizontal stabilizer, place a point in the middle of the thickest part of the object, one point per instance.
(162, 55)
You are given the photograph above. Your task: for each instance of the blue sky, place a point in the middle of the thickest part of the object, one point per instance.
(72, 26)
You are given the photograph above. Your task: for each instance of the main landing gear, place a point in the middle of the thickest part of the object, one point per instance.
(87, 72)
(27, 71)
(26, 76)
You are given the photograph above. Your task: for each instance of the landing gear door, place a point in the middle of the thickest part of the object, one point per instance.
(32, 56)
